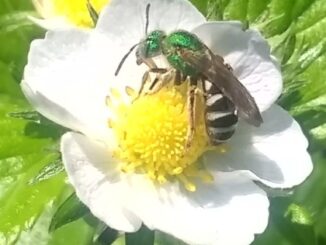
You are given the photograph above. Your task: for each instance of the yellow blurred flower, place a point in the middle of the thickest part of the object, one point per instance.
(61, 12)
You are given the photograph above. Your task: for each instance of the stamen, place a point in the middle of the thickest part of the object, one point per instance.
(223, 148)
(152, 136)
(177, 170)
(206, 177)
(131, 92)
(115, 93)
(108, 101)
(188, 185)
(110, 123)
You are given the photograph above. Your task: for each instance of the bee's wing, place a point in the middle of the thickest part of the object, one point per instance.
(213, 68)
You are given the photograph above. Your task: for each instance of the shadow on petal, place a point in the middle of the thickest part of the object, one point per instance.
(274, 154)
(225, 187)
(102, 161)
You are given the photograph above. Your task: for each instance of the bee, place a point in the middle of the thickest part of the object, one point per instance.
(225, 97)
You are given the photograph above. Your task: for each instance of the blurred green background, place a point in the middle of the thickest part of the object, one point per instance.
(32, 180)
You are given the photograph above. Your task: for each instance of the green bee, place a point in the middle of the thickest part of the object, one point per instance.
(226, 98)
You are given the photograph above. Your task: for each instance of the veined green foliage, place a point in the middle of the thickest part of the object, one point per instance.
(23, 144)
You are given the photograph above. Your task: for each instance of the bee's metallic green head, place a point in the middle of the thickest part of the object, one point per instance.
(152, 45)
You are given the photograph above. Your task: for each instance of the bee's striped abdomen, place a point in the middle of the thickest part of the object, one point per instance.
(220, 115)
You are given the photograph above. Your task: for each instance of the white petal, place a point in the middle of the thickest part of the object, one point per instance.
(107, 56)
(62, 70)
(212, 215)
(95, 176)
(124, 20)
(249, 55)
(275, 154)
(50, 109)
(230, 211)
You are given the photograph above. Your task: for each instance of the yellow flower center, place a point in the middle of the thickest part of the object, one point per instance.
(152, 135)
(76, 10)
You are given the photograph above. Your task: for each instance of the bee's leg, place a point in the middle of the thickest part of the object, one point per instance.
(158, 79)
(177, 78)
(139, 59)
(158, 70)
(228, 66)
(156, 85)
(191, 102)
(151, 64)
(162, 79)
(204, 82)
(148, 62)
(146, 77)
(218, 58)
(143, 82)
(183, 77)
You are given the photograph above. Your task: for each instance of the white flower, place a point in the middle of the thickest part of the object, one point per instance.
(70, 73)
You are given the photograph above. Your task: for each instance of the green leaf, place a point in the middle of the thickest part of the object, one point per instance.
(77, 232)
(37, 234)
(312, 194)
(23, 144)
(105, 235)
(163, 239)
(295, 39)
(143, 236)
(21, 158)
(26, 115)
(319, 132)
(48, 172)
(13, 21)
(299, 214)
(281, 230)
(200, 5)
(71, 210)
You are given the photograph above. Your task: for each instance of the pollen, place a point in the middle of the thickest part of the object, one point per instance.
(76, 10)
(152, 135)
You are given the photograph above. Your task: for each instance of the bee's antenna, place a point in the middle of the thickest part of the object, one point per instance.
(147, 17)
(134, 46)
(124, 58)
